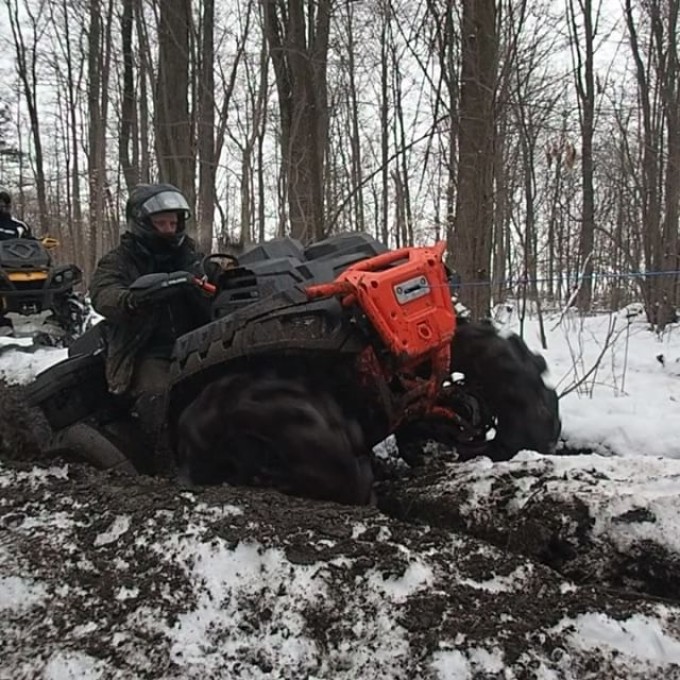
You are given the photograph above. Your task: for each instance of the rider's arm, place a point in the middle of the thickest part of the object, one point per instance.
(109, 288)
(26, 231)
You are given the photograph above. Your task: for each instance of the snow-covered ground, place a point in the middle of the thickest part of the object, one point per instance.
(628, 399)
(20, 361)
(546, 567)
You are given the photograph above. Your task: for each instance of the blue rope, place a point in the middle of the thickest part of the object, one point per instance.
(595, 276)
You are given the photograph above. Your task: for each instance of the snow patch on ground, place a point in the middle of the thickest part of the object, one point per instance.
(465, 665)
(120, 525)
(628, 406)
(638, 637)
(20, 361)
(73, 666)
(36, 477)
(501, 584)
(417, 576)
(20, 593)
(630, 500)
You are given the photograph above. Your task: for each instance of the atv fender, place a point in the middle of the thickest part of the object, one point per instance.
(71, 390)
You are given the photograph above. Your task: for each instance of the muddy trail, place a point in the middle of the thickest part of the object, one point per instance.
(540, 567)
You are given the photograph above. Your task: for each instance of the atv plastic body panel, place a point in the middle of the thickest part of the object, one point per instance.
(282, 264)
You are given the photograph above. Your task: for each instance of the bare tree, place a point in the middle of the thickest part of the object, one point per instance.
(128, 114)
(470, 240)
(98, 70)
(583, 48)
(26, 65)
(297, 34)
(657, 74)
(174, 133)
(71, 72)
(205, 126)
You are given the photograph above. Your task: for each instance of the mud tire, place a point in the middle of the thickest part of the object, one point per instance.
(510, 377)
(507, 377)
(266, 430)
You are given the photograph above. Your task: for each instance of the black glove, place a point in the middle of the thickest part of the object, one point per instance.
(154, 288)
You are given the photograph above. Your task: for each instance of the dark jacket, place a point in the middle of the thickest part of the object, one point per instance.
(10, 227)
(151, 329)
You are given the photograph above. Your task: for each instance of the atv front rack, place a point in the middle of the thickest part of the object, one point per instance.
(404, 294)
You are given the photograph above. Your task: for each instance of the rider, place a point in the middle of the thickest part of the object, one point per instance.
(10, 227)
(140, 330)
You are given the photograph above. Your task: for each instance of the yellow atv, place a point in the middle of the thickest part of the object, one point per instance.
(37, 296)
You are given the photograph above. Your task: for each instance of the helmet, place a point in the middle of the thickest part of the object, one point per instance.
(150, 199)
(5, 199)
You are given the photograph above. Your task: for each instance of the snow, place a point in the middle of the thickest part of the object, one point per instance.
(416, 577)
(18, 593)
(229, 577)
(456, 665)
(20, 361)
(622, 407)
(499, 584)
(629, 405)
(73, 666)
(638, 637)
(119, 526)
(615, 488)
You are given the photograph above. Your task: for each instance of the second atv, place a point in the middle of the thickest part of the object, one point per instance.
(314, 356)
(39, 293)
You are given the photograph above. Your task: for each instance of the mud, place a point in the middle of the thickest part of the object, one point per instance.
(23, 430)
(532, 513)
(141, 577)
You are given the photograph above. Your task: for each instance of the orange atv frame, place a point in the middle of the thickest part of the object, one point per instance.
(404, 294)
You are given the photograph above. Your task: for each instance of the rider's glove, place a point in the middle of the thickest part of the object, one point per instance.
(155, 288)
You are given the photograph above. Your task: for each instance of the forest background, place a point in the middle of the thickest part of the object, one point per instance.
(541, 138)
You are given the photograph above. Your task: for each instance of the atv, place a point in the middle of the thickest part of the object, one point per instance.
(40, 293)
(314, 355)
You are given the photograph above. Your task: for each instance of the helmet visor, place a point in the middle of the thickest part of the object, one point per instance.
(166, 201)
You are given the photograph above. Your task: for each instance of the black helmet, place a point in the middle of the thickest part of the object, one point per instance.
(5, 198)
(150, 199)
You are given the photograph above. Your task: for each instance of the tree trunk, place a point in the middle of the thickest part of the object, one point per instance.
(356, 166)
(128, 110)
(173, 126)
(298, 34)
(207, 163)
(96, 156)
(384, 124)
(470, 242)
(27, 70)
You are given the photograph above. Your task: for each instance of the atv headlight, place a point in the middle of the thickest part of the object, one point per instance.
(58, 278)
(68, 274)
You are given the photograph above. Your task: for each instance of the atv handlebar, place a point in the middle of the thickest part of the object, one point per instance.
(48, 242)
(159, 285)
